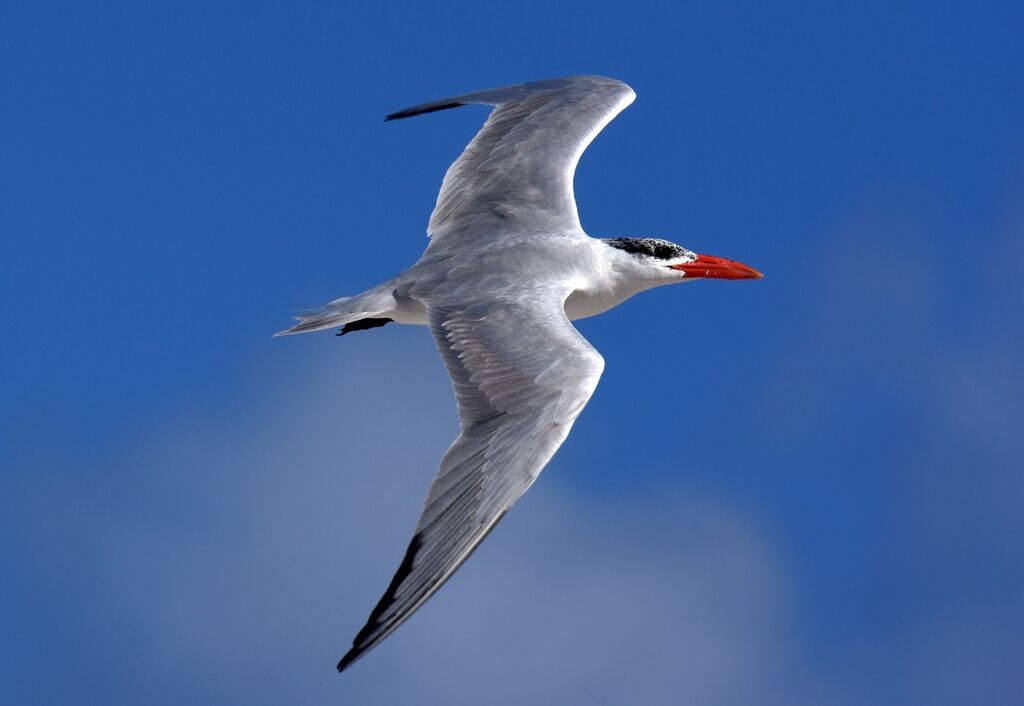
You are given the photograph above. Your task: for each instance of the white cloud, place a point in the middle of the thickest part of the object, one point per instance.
(234, 556)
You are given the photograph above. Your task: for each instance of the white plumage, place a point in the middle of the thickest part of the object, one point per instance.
(507, 267)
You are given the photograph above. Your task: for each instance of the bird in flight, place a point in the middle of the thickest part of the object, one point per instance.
(507, 268)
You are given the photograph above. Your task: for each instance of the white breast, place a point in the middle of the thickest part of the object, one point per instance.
(583, 303)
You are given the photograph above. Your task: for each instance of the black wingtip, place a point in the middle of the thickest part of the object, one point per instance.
(348, 659)
(362, 643)
(421, 110)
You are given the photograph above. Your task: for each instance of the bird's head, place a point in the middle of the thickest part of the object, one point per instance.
(667, 262)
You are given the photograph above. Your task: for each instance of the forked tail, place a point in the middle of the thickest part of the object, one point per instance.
(364, 311)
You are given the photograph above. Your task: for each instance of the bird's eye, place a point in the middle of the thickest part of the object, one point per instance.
(663, 252)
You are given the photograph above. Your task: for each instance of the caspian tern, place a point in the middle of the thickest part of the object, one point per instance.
(507, 268)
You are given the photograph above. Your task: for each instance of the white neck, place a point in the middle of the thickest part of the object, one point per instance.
(610, 277)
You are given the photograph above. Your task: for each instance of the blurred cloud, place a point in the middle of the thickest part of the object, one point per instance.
(231, 552)
(233, 558)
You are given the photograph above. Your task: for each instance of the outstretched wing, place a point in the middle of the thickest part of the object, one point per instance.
(522, 374)
(516, 174)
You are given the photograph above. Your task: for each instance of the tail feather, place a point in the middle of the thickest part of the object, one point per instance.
(334, 314)
(372, 308)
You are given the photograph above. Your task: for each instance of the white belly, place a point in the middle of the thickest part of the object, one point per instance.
(408, 311)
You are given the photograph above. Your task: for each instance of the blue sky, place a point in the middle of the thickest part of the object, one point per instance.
(805, 489)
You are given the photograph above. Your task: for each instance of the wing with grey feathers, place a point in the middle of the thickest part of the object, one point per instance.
(516, 174)
(522, 374)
